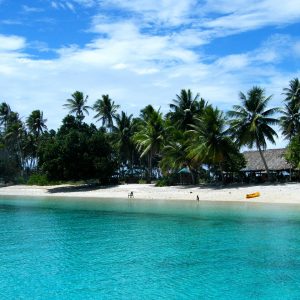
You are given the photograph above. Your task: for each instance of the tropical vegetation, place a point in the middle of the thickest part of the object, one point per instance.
(192, 142)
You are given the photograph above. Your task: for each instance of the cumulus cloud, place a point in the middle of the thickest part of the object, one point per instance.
(147, 53)
(11, 43)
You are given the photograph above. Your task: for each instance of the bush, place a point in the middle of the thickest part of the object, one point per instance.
(38, 179)
(142, 181)
(171, 179)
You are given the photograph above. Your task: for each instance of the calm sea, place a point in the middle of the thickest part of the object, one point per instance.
(53, 248)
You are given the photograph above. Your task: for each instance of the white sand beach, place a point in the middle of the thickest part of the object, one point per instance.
(277, 193)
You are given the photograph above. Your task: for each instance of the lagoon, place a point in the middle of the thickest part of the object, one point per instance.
(57, 248)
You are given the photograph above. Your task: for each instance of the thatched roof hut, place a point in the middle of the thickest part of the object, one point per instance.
(274, 158)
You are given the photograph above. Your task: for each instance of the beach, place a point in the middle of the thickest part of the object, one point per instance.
(269, 193)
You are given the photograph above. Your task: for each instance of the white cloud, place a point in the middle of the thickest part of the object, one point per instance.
(148, 57)
(11, 43)
(134, 73)
(166, 12)
(86, 3)
(54, 5)
(241, 16)
(10, 22)
(31, 9)
(296, 49)
(70, 6)
(63, 4)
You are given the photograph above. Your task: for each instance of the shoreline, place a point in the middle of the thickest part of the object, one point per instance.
(287, 193)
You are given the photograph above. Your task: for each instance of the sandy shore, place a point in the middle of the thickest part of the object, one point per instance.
(279, 193)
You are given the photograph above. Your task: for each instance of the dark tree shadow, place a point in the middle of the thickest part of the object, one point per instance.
(79, 188)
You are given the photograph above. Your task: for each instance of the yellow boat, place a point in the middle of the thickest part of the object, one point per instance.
(253, 195)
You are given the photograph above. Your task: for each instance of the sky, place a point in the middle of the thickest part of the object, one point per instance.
(144, 52)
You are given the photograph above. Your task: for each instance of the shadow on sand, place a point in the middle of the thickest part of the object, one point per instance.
(79, 188)
(218, 186)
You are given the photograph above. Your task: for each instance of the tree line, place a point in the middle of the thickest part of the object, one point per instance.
(193, 135)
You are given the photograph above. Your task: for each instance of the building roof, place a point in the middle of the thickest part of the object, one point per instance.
(274, 158)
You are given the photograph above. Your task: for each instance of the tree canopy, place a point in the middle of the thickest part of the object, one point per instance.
(193, 135)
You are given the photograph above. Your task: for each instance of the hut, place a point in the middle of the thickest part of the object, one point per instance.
(185, 176)
(255, 171)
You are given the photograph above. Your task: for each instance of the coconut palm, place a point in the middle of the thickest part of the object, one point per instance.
(210, 142)
(77, 105)
(124, 130)
(149, 138)
(185, 108)
(106, 110)
(5, 113)
(251, 122)
(15, 136)
(292, 93)
(174, 153)
(36, 123)
(290, 121)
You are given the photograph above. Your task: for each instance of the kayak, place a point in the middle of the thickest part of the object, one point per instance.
(253, 195)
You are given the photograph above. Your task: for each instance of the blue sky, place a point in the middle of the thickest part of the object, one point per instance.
(142, 52)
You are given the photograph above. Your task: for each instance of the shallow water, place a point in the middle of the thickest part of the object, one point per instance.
(131, 249)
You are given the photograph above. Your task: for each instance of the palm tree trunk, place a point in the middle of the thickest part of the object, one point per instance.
(149, 167)
(193, 174)
(131, 163)
(222, 175)
(264, 161)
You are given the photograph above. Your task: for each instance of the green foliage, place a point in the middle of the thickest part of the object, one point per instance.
(150, 136)
(168, 180)
(78, 151)
(142, 181)
(211, 143)
(290, 119)
(5, 113)
(192, 134)
(293, 152)
(185, 108)
(36, 123)
(235, 162)
(251, 123)
(106, 110)
(9, 167)
(38, 179)
(77, 105)
(123, 133)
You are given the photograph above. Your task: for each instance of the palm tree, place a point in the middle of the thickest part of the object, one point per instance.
(36, 123)
(292, 93)
(251, 122)
(77, 105)
(210, 142)
(124, 131)
(290, 121)
(106, 110)
(5, 113)
(174, 153)
(149, 138)
(14, 137)
(185, 108)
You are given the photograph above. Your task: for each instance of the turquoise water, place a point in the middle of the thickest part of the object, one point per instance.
(79, 249)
